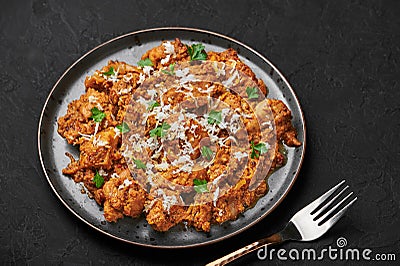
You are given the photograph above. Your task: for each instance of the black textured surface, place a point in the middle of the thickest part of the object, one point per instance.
(342, 59)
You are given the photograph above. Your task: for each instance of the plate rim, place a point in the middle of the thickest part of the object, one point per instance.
(188, 29)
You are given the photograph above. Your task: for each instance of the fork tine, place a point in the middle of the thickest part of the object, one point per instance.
(334, 208)
(330, 202)
(340, 213)
(314, 205)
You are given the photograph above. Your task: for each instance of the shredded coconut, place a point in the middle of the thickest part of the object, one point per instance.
(215, 197)
(162, 166)
(166, 59)
(117, 132)
(147, 69)
(142, 77)
(167, 201)
(102, 172)
(169, 48)
(92, 99)
(240, 155)
(126, 183)
(114, 175)
(99, 142)
(229, 82)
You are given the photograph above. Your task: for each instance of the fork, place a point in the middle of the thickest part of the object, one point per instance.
(308, 224)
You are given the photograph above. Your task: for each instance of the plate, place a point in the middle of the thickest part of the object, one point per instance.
(129, 48)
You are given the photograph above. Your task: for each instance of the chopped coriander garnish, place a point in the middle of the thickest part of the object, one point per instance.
(145, 62)
(196, 52)
(124, 128)
(110, 72)
(97, 115)
(160, 131)
(98, 180)
(252, 92)
(152, 104)
(206, 152)
(139, 164)
(200, 186)
(214, 117)
(257, 149)
(171, 71)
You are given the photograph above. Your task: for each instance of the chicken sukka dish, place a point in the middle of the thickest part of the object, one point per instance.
(187, 136)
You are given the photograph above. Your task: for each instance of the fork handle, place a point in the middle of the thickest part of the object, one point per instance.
(271, 240)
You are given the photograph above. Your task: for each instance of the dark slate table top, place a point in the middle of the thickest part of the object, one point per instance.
(341, 57)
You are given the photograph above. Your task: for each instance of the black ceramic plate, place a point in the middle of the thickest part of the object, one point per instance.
(128, 48)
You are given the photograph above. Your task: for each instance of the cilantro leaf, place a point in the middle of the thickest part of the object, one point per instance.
(171, 71)
(253, 154)
(123, 128)
(196, 52)
(160, 131)
(206, 152)
(98, 180)
(139, 164)
(97, 115)
(145, 62)
(110, 72)
(152, 104)
(257, 149)
(261, 147)
(252, 92)
(200, 186)
(214, 117)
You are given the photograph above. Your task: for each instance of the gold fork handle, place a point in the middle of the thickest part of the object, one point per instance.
(273, 239)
